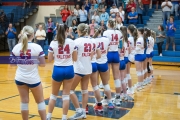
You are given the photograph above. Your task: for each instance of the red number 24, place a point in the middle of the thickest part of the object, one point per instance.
(114, 37)
(64, 50)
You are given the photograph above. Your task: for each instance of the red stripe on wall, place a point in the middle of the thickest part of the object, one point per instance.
(38, 3)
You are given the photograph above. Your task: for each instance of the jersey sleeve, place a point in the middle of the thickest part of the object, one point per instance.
(14, 51)
(41, 52)
(51, 47)
(138, 45)
(76, 44)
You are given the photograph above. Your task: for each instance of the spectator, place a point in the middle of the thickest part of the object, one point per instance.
(27, 2)
(87, 6)
(49, 30)
(104, 16)
(160, 36)
(175, 7)
(101, 6)
(118, 2)
(146, 4)
(171, 28)
(91, 13)
(70, 19)
(166, 8)
(11, 37)
(158, 2)
(95, 4)
(2, 16)
(96, 17)
(103, 26)
(140, 11)
(65, 13)
(40, 36)
(0, 2)
(133, 16)
(92, 25)
(74, 27)
(113, 11)
(130, 5)
(70, 34)
(121, 13)
(79, 2)
(118, 23)
(83, 15)
(76, 12)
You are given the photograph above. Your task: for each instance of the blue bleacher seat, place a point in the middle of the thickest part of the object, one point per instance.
(170, 47)
(166, 59)
(168, 53)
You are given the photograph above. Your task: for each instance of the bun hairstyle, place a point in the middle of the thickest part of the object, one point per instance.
(124, 33)
(61, 33)
(133, 31)
(83, 28)
(27, 32)
(141, 30)
(111, 23)
(97, 30)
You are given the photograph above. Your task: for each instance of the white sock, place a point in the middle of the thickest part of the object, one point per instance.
(84, 110)
(79, 110)
(64, 117)
(49, 115)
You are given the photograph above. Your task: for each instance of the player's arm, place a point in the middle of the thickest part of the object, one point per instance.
(50, 56)
(42, 61)
(98, 52)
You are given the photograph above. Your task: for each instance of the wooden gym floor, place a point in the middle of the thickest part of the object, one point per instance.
(158, 101)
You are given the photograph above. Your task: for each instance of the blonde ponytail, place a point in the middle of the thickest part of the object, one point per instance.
(24, 43)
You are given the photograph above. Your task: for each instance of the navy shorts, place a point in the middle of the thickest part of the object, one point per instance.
(61, 73)
(122, 65)
(94, 67)
(140, 57)
(150, 55)
(113, 57)
(29, 85)
(126, 59)
(81, 75)
(102, 67)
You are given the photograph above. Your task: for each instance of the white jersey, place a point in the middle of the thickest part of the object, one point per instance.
(104, 45)
(140, 45)
(83, 63)
(95, 47)
(28, 73)
(132, 48)
(150, 45)
(114, 37)
(126, 47)
(62, 54)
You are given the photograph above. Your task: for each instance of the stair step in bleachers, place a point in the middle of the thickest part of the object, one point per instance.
(170, 47)
(168, 53)
(166, 59)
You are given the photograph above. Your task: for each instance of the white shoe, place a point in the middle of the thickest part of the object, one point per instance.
(160, 54)
(77, 115)
(104, 102)
(144, 83)
(130, 91)
(139, 87)
(117, 101)
(101, 86)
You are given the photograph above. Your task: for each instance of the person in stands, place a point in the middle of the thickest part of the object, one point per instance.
(27, 2)
(133, 16)
(146, 4)
(65, 13)
(130, 5)
(70, 19)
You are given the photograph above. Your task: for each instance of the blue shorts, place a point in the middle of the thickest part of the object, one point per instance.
(61, 73)
(140, 57)
(29, 85)
(113, 57)
(94, 67)
(122, 65)
(126, 59)
(102, 67)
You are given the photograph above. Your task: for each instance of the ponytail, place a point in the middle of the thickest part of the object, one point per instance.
(83, 28)
(61, 34)
(111, 23)
(24, 43)
(133, 31)
(124, 33)
(98, 31)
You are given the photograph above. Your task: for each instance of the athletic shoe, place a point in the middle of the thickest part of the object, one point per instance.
(144, 83)
(117, 101)
(98, 108)
(160, 54)
(84, 113)
(130, 91)
(111, 106)
(104, 102)
(139, 86)
(78, 115)
(101, 86)
(87, 109)
(48, 118)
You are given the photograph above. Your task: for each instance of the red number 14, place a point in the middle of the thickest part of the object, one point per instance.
(114, 37)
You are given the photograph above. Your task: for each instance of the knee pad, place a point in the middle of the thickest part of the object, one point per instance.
(53, 97)
(84, 91)
(128, 76)
(95, 88)
(65, 97)
(71, 92)
(41, 106)
(117, 83)
(107, 87)
(24, 106)
(139, 73)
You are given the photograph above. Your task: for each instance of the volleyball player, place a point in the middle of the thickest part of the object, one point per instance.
(82, 69)
(27, 76)
(113, 56)
(132, 31)
(140, 57)
(63, 51)
(102, 64)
